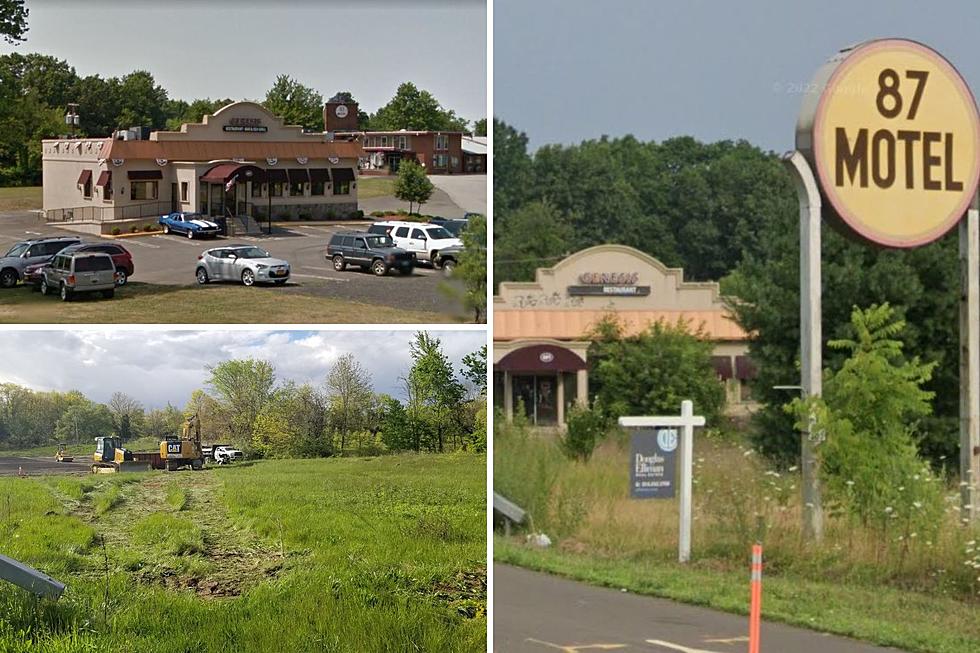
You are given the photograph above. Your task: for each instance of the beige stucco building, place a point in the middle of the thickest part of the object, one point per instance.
(540, 328)
(242, 161)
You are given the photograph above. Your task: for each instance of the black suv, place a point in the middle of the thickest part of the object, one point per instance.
(376, 252)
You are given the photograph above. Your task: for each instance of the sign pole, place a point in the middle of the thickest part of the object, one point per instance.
(969, 232)
(687, 469)
(811, 354)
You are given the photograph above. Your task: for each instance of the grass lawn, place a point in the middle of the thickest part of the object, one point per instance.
(368, 187)
(381, 554)
(144, 303)
(20, 198)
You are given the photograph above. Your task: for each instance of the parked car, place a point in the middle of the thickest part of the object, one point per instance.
(192, 225)
(246, 263)
(224, 454)
(78, 272)
(447, 258)
(422, 239)
(121, 257)
(30, 252)
(454, 226)
(375, 252)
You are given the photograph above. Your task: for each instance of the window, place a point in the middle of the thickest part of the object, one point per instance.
(384, 141)
(183, 191)
(442, 142)
(202, 193)
(93, 263)
(341, 188)
(16, 250)
(359, 243)
(143, 190)
(277, 189)
(402, 142)
(87, 188)
(439, 233)
(296, 189)
(348, 241)
(317, 187)
(256, 189)
(401, 232)
(417, 233)
(440, 160)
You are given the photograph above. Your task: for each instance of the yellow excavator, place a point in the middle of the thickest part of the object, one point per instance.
(180, 451)
(185, 450)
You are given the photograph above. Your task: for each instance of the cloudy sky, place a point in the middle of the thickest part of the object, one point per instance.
(569, 70)
(236, 48)
(157, 367)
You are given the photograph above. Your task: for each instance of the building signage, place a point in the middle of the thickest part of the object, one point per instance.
(653, 463)
(893, 135)
(609, 283)
(245, 125)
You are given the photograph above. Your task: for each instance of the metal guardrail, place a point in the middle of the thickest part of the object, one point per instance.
(106, 213)
(30, 579)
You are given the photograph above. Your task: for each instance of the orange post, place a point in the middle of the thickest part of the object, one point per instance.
(755, 609)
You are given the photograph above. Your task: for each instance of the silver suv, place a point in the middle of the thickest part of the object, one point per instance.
(29, 252)
(78, 272)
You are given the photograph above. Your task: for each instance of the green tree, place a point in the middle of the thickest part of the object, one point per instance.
(652, 372)
(295, 103)
(512, 168)
(533, 236)
(127, 415)
(142, 102)
(413, 185)
(243, 386)
(415, 109)
(349, 396)
(433, 393)
(163, 422)
(13, 21)
(181, 112)
(480, 127)
(471, 271)
(475, 369)
(83, 422)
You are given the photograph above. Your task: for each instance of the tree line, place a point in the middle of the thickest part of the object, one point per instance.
(246, 404)
(727, 211)
(35, 90)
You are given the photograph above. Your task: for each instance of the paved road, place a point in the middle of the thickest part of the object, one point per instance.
(170, 260)
(9, 466)
(537, 613)
(467, 191)
(441, 202)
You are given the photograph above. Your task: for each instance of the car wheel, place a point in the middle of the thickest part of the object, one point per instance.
(65, 293)
(109, 294)
(166, 229)
(45, 288)
(248, 277)
(202, 276)
(448, 267)
(122, 277)
(8, 278)
(379, 268)
(190, 234)
(339, 264)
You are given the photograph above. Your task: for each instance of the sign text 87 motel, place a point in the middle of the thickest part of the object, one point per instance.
(893, 138)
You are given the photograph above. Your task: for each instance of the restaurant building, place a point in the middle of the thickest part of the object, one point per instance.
(540, 328)
(241, 161)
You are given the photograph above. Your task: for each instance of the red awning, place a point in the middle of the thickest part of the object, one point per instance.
(223, 172)
(144, 175)
(105, 178)
(745, 368)
(723, 366)
(85, 177)
(535, 358)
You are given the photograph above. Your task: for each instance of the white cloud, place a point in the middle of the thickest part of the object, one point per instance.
(160, 366)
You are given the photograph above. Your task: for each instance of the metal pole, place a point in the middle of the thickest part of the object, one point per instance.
(687, 468)
(810, 334)
(969, 364)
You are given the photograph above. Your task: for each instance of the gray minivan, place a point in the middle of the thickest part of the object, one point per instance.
(29, 252)
(78, 272)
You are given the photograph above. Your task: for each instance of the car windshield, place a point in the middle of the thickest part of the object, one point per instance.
(251, 252)
(17, 250)
(379, 241)
(438, 233)
(192, 216)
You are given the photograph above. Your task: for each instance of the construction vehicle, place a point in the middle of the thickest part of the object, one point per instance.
(110, 456)
(179, 451)
(63, 456)
(185, 450)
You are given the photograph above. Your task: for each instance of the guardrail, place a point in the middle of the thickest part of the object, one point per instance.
(107, 213)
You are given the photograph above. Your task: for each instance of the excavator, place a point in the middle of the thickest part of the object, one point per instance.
(180, 451)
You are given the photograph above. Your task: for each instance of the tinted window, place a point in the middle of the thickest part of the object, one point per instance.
(336, 240)
(251, 252)
(417, 233)
(359, 243)
(48, 249)
(401, 232)
(17, 250)
(348, 241)
(59, 263)
(378, 229)
(438, 233)
(92, 263)
(379, 241)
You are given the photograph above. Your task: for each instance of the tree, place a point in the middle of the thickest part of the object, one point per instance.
(349, 395)
(142, 102)
(534, 236)
(471, 271)
(415, 110)
(511, 170)
(480, 127)
(83, 422)
(433, 392)
(181, 112)
(13, 21)
(127, 415)
(475, 369)
(651, 372)
(413, 185)
(295, 103)
(163, 422)
(243, 387)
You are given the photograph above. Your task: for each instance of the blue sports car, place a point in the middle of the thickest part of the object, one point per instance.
(192, 225)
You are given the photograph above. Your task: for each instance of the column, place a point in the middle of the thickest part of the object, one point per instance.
(508, 397)
(582, 393)
(560, 396)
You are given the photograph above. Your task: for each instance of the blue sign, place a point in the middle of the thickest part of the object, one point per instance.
(653, 463)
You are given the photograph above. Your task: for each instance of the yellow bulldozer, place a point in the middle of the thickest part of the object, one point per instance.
(111, 456)
(179, 451)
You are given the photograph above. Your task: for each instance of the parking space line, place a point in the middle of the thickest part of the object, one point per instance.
(140, 244)
(317, 276)
(677, 647)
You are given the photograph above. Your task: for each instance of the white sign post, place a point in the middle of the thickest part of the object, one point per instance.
(686, 422)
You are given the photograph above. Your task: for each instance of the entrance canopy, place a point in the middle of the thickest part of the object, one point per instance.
(224, 172)
(540, 358)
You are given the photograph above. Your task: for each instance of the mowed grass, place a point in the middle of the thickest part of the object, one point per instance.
(919, 595)
(146, 303)
(384, 554)
(368, 187)
(20, 198)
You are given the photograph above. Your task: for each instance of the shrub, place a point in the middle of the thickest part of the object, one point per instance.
(134, 229)
(357, 215)
(585, 428)
(331, 214)
(116, 231)
(305, 216)
(148, 228)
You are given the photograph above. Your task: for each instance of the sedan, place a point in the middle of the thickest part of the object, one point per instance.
(246, 263)
(192, 225)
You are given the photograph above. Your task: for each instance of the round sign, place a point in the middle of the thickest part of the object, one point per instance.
(546, 357)
(894, 142)
(341, 111)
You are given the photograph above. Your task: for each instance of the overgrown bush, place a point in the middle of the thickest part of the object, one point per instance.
(116, 231)
(585, 428)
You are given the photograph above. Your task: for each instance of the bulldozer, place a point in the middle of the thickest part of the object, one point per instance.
(63, 456)
(186, 449)
(111, 456)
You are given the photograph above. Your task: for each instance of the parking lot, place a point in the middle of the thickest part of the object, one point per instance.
(170, 260)
(34, 466)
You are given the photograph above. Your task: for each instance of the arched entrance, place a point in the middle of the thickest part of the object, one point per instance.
(544, 379)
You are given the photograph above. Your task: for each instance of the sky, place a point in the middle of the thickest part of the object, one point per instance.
(236, 48)
(571, 70)
(157, 367)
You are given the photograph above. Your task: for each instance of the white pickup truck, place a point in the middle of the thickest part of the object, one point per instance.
(223, 453)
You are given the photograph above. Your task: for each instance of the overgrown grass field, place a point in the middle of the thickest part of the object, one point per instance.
(20, 198)
(918, 591)
(379, 554)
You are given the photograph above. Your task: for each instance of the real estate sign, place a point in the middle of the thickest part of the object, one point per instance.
(653, 463)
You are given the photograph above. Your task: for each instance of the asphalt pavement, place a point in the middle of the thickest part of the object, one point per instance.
(537, 613)
(35, 466)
